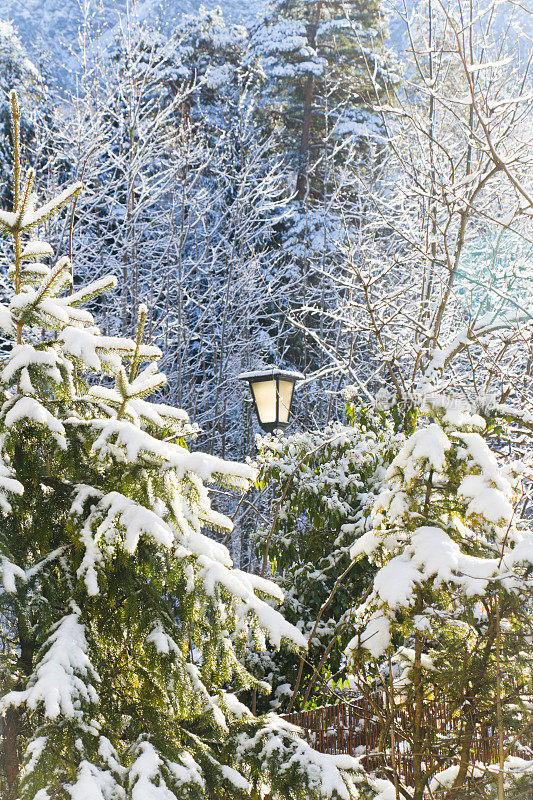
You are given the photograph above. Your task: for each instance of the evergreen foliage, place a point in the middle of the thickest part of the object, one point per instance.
(325, 484)
(124, 626)
(321, 66)
(317, 59)
(450, 607)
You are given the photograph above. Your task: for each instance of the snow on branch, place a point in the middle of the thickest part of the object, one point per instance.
(62, 675)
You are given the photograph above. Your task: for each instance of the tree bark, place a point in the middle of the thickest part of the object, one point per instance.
(303, 155)
(302, 180)
(418, 734)
(13, 717)
(11, 754)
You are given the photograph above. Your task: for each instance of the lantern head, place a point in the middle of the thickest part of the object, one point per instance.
(272, 391)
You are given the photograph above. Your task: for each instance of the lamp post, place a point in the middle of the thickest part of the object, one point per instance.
(272, 391)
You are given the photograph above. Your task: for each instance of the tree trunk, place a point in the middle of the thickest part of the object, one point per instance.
(418, 734)
(419, 756)
(303, 155)
(309, 96)
(13, 717)
(11, 754)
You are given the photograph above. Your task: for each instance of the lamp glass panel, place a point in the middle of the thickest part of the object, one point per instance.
(286, 389)
(265, 399)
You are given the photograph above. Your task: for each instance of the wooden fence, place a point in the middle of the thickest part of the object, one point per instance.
(355, 725)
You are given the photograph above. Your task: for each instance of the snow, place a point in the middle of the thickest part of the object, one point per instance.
(484, 500)
(365, 544)
(235, 707)
(460, 417)
(109, 756)
(522, 553)
(7, 324)
(481, 455)
(376, 637)
(444, 778)
(187, 772)
(407, 654)
(329, 775)
(427, 444)
(83, 345)
(240, 585)
(33, 303)
(56, 683)
(113, 512)
(93, 783)
(147, 382)
(396, 582)
(264, 586)
(437, 556)
(9, 572)
(93, 289)
(28, 408)
(488, 492)
(7, 219)
(34, 750)
(519, 766)
(270, 372)
(98, 352)
(24, 356)
(143, 774)
(504, 62)
(140, 411)
(162, 642)
(36, 249)
(136, 443)
(8, 485)
(37, 216)
(384, 789)
(235, 778)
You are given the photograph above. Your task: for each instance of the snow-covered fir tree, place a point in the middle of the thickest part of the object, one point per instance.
(123, 624)
(317, 58)
(449, 611)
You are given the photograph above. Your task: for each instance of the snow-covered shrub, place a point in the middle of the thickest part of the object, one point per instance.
(450, 604)
(324, 485)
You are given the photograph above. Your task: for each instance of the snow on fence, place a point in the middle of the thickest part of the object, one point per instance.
(361, 727)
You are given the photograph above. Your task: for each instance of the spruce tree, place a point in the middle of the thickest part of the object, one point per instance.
(322, 66)
(123, 624)
(446, 622)
(322, 62)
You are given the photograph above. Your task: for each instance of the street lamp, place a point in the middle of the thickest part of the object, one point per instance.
(272, 391)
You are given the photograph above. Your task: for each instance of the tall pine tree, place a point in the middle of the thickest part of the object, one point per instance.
(322, 66)
(321, 62)
(123, 624)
